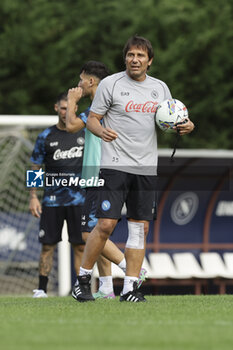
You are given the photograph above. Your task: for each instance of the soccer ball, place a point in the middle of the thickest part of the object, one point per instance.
(170, 112)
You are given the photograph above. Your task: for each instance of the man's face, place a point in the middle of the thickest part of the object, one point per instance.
(85, 84)
(137, 62)
(61, 108)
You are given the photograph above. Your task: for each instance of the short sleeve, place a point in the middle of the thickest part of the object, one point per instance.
(84, 115)
(103, 97)
(38, 154)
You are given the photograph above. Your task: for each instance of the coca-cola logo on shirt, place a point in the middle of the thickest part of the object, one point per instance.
(74, 152)
(147, 107)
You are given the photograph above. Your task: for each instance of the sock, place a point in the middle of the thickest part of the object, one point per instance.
(122, 265)
(43, 281)
(106, 284)
(83, 271)
(128, 284)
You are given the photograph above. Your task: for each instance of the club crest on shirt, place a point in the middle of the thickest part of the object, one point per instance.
(154, 94)
(80, 141)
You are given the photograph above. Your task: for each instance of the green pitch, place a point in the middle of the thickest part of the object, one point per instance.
(163, 323)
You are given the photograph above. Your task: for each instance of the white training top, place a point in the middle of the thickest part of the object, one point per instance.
(129, 107)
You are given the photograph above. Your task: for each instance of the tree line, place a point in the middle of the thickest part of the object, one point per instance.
(45, 43)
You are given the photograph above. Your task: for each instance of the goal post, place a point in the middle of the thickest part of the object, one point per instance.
(28, 120)
(19, 246)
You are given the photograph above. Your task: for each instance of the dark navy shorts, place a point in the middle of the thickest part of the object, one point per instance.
(52, 220)
(138, 192)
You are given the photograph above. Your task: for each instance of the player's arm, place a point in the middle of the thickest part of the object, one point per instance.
(185, 128)
(94, 125)
(34, 204)
(73, 124)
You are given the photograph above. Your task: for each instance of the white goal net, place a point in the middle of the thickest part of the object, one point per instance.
(19, 246)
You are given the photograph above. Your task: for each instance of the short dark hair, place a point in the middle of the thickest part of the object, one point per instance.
(139, 42)
(62, 97)
(98, 69)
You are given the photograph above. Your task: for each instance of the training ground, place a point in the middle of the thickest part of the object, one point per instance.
(185, 322)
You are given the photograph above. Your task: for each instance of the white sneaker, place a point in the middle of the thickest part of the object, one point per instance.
(39, 293)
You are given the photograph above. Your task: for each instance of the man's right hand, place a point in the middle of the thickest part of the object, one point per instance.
(108, 135)
(74, 94)
(35, 207)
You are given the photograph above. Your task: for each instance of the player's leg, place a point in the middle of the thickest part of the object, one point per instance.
(105, 290)
(111, 251)
(51, 223)
(96, 241)
(138, 228)
(115, 255)
(73, 219)
(134, 255)
(78, 250)
(46, 259)
(135, 252)
(45, 266)
(89, 221)
(105, 275)
(104, 266)
(109, 203)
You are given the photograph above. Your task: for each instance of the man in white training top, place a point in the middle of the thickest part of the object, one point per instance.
(127, 103)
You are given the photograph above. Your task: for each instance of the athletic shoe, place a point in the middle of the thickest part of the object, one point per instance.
(133, 296)
(82, 289)
(101, 295)
(142, 277)
(39, 293)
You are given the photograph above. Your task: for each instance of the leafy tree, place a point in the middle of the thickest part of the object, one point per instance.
(44, 44)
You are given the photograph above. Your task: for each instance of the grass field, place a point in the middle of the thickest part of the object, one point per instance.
(163, 323)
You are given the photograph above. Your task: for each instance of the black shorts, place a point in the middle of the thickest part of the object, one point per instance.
(52, 220)
(89, 220)
(138, 192)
